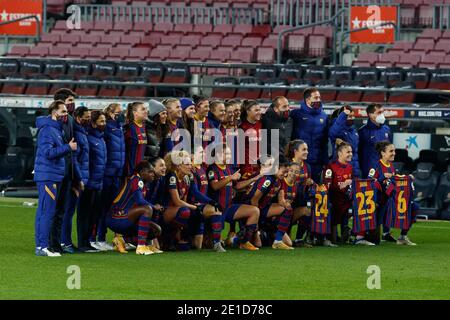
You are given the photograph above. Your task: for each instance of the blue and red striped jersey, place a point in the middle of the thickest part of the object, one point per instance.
(365, 197)
(223, 196)
(155, 191)
(320, 215)
(268, 185)
(131, 195)
(173, 182)
(290, 190)
(305, 174)
(381, 169)
(201, 181)
(135, 144)
(400, 192)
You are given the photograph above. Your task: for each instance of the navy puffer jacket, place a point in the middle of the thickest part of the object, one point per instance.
(115, 145)
(49, 164)
(81, 156)
(97, 159)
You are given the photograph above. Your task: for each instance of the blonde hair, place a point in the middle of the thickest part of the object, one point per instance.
(110, 109)
(169, 101)
(175, 158)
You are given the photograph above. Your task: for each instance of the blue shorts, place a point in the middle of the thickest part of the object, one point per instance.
(121, 225)
(263, 214)
(300, 200)
(230, 212)
(196, 223)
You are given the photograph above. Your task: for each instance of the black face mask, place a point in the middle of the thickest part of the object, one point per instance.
(315, 105)
(120, 118)
(63, 119)
(85, 123)
(70, 107)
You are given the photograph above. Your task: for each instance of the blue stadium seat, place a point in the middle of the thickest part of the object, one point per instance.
(425, 183)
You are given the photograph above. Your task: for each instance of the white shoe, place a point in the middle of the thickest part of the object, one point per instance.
(105, 246)
(328, 243)
(45, 252)
(97, 246)
(405, 241)
(129, 246)
(218, 247)
(364, 242)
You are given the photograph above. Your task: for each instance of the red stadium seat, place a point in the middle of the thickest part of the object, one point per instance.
(262, 30)
(38, 51)
(296, 43)
(374, 96)
(102, 25)
(232, 41)
(59, 52)
(244, 29)
(193, 40)
(443, 44)
(242, 54)
(265, 55)
(163, 27)
(269, 94)
(50, 38)
(296, 88)
(419, 76)
(180, 52)
(14, 87)
(434, 34)
(19, 51)
(125, 26)
(118, 53)
(368, 57)
(212, 40)
(327, 95)
(139, 53)
(317, 45)
(144, 26)
(201, 53)
(251, 41)
(424, 44)
(203, 28)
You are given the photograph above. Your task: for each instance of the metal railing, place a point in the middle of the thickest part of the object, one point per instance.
(332, 20)
(441, 17)
(303, 12)
(168, 14)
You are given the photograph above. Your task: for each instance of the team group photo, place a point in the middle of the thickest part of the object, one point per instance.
(224, 150)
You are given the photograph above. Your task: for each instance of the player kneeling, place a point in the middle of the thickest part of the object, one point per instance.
(130, 213)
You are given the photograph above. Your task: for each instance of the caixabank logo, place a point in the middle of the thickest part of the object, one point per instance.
(11, 10)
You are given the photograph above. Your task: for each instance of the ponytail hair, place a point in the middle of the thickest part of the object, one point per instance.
(131, 107)
(291, 147)
(246, 106)
(381, 146)
(341, 145)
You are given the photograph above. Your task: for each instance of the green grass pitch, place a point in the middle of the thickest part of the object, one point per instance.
(421, 272)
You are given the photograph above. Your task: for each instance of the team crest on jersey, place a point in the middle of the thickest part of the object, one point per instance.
(54, 186)
(172, 180)
(141, 184)
(211, 174)
(266, 183)
(321, 120)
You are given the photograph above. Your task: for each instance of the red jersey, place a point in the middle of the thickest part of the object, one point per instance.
(252, 140)
(290, 190)
(340, 173)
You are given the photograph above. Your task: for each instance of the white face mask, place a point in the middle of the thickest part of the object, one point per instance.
(380, 119)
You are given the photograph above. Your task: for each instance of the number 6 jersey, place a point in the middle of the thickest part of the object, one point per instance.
(400, 192)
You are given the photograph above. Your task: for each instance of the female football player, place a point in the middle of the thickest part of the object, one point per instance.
(341, 180)
(221, 180)
(297, 151)
(383, 171)
(130, 213)
(197, 194)
(135, 135)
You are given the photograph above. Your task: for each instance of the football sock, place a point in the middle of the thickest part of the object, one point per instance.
(403, 233)
(143, 228)
(182, 216)
(249, 232)
(283, 224)
(216, 226)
